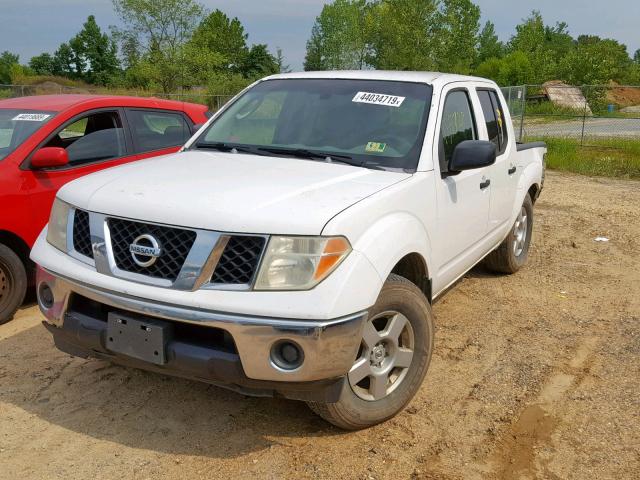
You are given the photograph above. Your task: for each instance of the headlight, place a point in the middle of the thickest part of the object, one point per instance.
(300, 263)
(58, 221)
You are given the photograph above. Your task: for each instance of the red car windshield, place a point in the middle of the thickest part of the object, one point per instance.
(16, 125)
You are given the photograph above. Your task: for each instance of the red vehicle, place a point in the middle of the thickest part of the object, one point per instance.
(47, 141)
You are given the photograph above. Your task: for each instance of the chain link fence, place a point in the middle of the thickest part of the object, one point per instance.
(584, 114)
(214, 102)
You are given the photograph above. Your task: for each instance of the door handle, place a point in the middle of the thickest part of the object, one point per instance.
(485, 184)
(512, 170)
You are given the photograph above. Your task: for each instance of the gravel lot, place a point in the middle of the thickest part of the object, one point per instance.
(534, 375)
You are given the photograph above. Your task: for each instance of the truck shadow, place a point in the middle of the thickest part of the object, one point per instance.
(141, 409)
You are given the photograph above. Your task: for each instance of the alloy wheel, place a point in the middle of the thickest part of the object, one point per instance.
(384, 357)
(520, 233)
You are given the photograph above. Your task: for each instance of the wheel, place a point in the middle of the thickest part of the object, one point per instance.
(393, 358)
(513, 252)
(13, 283)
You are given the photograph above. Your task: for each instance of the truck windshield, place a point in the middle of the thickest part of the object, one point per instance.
(17, 125)
(369, 123)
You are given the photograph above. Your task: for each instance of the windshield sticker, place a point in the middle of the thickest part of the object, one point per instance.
(376, 147)
(31, 117)
(378, 99)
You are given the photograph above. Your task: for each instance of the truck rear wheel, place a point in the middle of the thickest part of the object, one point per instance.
(513, 252)
(13, 283)
(396, 347)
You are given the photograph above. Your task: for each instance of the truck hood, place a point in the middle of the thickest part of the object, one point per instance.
(229, 192)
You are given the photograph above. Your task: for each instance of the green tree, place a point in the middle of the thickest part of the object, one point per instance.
(225, 36)
(490, 68)
(8, 61)
(78, 57)
(595, 61)
(130, 51)
(259, 62)
(313, 60)
(339, 38)
(405, 35)
(459, 24)
(636, 57)
(513, 69)
(530, 39)
(489, 46)
(516, 69)
(280, 61)
(64, 62)
(545, 46)
(43, 64)
(558, 39)
(97, 51)
(159, 29)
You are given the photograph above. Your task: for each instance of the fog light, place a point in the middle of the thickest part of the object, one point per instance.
(287, 355)
(45, 295)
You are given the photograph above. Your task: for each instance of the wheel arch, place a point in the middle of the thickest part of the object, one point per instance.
(534, 191)
(19, 246)
(414, 268)
(15, 243)
(529, 183)
(398, 243)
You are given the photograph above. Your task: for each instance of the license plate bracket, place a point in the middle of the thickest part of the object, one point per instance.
(140, 338)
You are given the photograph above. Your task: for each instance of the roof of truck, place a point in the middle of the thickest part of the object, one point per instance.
(419, 77)
(58, 103)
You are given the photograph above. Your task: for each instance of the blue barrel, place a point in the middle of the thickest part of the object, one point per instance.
(611, 108)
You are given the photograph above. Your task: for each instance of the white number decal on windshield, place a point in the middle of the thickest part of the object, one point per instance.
(378, 99)
(31, 117)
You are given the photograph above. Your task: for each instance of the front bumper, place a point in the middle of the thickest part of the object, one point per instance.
(76, 316)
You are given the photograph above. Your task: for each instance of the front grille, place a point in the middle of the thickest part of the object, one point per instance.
(175, 244)
(239, 261)
(81, 234)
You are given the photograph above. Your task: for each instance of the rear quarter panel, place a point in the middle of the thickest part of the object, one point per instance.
(531, 163)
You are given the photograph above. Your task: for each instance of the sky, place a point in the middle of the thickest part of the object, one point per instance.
(30, 27)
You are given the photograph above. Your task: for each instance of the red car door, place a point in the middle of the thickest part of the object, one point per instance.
(94, 140)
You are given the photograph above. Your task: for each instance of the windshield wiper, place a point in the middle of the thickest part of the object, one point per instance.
(304, 153)
(226, 147)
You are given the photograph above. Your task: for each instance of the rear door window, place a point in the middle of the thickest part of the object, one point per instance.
(502, 121)
(490, 118)
(494, 119)
(156, 130)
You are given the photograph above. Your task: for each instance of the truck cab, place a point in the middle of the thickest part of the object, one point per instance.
(295, 244)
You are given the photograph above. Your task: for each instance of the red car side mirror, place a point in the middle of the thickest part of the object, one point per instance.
(50, 157)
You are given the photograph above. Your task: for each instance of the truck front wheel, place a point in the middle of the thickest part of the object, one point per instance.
(13, 283)
(392, 360)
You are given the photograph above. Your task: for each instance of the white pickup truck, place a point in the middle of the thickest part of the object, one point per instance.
(295, 244)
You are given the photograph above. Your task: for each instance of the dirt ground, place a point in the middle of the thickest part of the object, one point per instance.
(535, 375)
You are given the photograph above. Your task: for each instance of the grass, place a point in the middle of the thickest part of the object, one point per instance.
(601, 157)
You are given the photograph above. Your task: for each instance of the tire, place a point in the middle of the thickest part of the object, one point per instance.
(400, 303)
(13, 283)
(511, 256)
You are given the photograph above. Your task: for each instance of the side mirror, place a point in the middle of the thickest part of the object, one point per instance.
(50, 157)
(472, 154)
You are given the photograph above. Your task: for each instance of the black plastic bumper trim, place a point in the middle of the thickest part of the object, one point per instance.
(83, 336)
